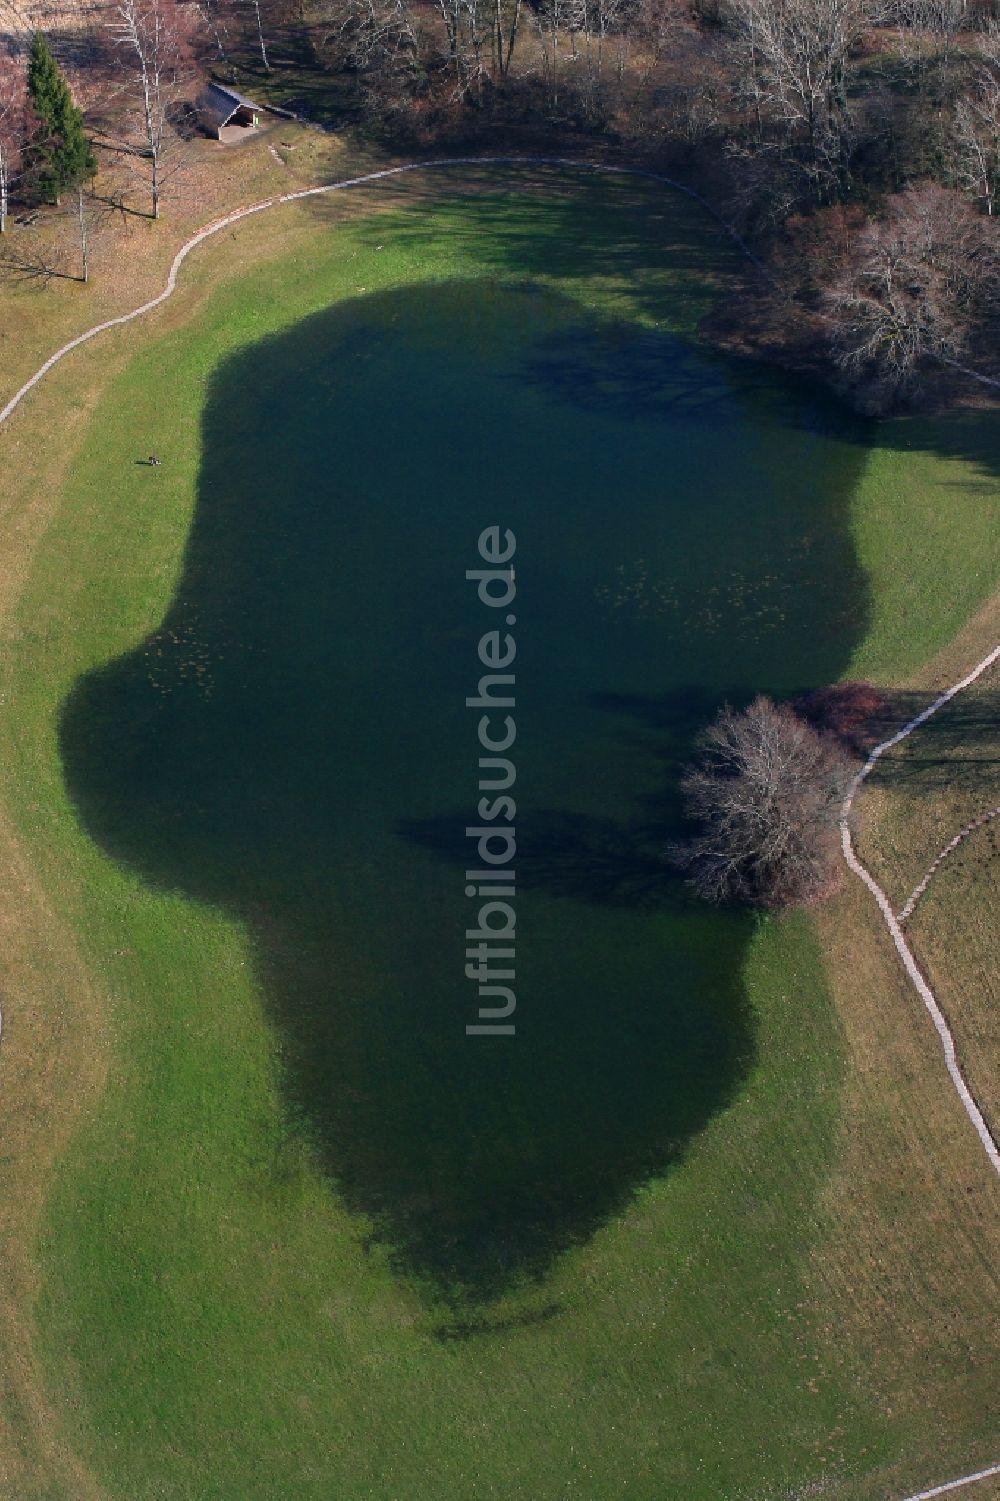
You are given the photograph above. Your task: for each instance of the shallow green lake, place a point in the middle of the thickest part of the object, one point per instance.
(293, 741)
(311, 1239)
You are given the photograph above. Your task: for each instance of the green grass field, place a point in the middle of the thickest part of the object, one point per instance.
(214, 1323)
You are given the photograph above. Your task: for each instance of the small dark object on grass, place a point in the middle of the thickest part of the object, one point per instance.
(153, 461)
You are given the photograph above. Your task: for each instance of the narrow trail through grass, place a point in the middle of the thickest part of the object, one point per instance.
(956, 1485)
(921, 986)
(965, 832)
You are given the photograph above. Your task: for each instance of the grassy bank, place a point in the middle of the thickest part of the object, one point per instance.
(213, 1324)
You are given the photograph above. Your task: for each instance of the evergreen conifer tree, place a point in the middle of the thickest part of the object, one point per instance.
(62, 155)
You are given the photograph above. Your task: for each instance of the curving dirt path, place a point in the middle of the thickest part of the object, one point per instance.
(921, 986)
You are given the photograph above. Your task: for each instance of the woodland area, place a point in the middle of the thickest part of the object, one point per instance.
(855, 144)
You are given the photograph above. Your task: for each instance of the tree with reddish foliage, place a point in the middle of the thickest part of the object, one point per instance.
(766, 794)
(918, 278)
(847, 711)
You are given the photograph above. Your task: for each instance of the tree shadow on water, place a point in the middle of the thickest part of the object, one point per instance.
(290, 745)
(569, 854)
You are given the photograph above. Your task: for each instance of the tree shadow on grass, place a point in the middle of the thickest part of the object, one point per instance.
(291, 744)
(640, 240)
(649, 244)
(568, 854)
(959, 746)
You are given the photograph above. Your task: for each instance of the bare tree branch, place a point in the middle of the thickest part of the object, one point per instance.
(766, 791)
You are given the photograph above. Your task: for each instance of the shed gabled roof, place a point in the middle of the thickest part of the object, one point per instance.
(217, 104)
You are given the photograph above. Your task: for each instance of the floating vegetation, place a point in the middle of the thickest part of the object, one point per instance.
(177, 656)
(757, 605)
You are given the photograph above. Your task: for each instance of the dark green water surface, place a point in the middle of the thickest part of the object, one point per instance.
(293, 742)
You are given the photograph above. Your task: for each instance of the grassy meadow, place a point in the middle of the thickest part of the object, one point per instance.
(799, 1305)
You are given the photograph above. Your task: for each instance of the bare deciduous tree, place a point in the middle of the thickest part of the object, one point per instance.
(928, 33)
(481, 37)
(917, 278)
(665, 32)
(377, 43)
(468, 27)
(555, 26)
(975, 142)
(84, 229)
(154, 36)
(767, 791)
(790, 58)
(14, 128)
(62, 247)
(505, 29)
(254, 5)
(213, 14)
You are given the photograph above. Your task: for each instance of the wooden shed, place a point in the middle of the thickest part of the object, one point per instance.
(227, 115)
